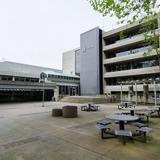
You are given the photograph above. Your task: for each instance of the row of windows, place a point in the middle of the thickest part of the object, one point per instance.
(20, 79)
(62, 77)
(128, 33)
(138, 79)
(133, 51)
(131, 65)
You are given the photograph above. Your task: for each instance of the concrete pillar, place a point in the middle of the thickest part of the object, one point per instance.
(77, 90)
(145, 93)
(130, 92)
(69, 90)
(13, 78)
(12, 96)
(56, 93)
(136, 95)
(60, 90)
(65, 90)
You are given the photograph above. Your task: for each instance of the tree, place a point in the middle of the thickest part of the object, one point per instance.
(126, 10)
(129, 11)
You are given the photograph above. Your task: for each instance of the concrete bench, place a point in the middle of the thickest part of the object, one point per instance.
(123, 134)
(69, 111)
(103, 129)
(83, 108)
(90, 107)
(139, 125)
(104, 122)
(143, 117)
(56, 112)
(126, 105)
(144, 131)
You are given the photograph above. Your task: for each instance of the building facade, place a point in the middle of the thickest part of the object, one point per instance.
(71, 62)
(91, 62)
(21, 82)
(105, 64)
(126, 68)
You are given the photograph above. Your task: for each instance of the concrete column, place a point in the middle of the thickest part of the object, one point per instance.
(155, 93)
(145, 93)
(56, 93)
(12, 96)
(61, 90)
(13, 78)
(136, 94)
(69, 90)
(65, 90)
(121, 93)
(77, 89)
(130, 93)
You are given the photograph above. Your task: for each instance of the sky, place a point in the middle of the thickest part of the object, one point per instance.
(37, 32)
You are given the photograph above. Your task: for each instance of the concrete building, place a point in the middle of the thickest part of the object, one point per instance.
(21, 82)
(126, 68)
(105, 64)
(91, 62)
(71, 62)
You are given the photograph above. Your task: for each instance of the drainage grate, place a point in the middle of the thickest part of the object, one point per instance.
(20, 142)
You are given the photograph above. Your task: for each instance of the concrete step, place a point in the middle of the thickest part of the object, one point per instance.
(85, 99)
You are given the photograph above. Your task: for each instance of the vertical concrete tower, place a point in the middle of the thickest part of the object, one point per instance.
(91, 62)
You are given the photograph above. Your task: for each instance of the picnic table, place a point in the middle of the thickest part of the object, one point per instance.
(122, 119)
(89, 107)
(155, 110)
(126, 104)
(143, 114)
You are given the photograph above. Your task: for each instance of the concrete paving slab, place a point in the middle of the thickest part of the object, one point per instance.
(29, 132)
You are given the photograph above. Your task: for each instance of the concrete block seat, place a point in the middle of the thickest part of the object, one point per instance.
(56, 112)
(69, 111)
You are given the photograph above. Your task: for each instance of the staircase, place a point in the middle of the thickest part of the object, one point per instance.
(84, 99)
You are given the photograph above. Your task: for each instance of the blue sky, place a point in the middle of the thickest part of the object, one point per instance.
(38, 31)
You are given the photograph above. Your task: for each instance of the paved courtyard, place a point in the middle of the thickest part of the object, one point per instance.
(29, 132)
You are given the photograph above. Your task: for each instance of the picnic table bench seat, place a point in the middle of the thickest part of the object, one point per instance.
(139, 125)
(104, 122)
(103, 129)
(123, 134)
(125, 105)
(90, 107)
(143, 116)
(143, 131)
(83, 108)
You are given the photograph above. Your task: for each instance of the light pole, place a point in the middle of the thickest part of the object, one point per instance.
(43, 94)
(43, 76)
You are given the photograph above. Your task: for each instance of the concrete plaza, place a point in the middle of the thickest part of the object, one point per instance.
(29, 132)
